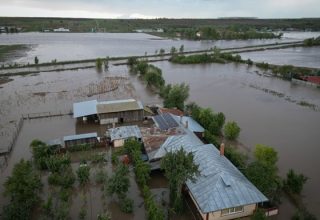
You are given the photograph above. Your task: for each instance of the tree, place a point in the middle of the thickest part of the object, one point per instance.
(132, 61)
(263, 173)
(237, 158)
(294, 182)
(83, 174)
(119, 182)
(231, 130)
(266, 155)
(179, 167)
(181, 49)
(176, 96)
(173, 50)
(23, 188)
(162, 52)
(36, 60)
(99, 63)
(154, 78)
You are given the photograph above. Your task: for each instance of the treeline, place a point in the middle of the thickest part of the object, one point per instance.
(212, 33)
(312, 42)
(129, 25)
(215, 57)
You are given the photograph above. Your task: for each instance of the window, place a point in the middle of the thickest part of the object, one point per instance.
(232, 210)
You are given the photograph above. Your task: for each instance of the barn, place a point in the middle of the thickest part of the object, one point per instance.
(120, 111)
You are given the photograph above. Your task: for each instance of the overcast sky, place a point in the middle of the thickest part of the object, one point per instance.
(161, 8)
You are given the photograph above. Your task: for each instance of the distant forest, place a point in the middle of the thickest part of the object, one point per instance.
(168, 25)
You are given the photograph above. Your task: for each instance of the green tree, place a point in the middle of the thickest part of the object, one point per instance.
(237, 158)
(154, 78)
(176, 96)
(162, 52)
(23, 188)
(83, 174)
(231, 130)
(179, 167)
(132, 61)
(266, 155)
(99, 63)
(36, 60)
(181, 49)
(173, 50)
(294, 182)
(263, 173)
(119, 182)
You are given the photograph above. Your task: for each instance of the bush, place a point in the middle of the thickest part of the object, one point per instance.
(294, 182)
(101, 176)
(83, 174)
(126, 205)
(231, 130)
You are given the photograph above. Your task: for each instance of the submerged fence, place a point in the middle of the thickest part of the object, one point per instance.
(16, 132)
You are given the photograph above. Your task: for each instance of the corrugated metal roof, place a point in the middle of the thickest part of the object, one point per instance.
(119, 106)
(86, 108)
(124, 132)
(80, 136)
(193, 125)
(165, 121)
(220, 184)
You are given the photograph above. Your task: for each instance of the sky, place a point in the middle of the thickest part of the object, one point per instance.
(160, 8)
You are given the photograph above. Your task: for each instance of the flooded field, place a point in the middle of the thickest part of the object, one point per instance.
(264, 117)
(50, 46)
(268, 110)
(298, 56)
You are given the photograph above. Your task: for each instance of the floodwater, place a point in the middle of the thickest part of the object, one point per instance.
(297, 56)
(75, 46)
(264, 117)
(266, 108)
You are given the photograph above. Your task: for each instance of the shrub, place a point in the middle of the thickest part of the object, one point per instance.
(231, 130)
(83, 174)
(126, 205)
(294, 182)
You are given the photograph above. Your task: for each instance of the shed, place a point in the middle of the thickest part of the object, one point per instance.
(120, 134)
(119, 111)
(79, 139)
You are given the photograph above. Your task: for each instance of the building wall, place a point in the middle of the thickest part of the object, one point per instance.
(247, 210)
(91, 141)
(118, 143)
(127, 116)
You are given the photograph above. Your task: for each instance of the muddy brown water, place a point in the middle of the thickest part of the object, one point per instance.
(236, 90)
(264, 118)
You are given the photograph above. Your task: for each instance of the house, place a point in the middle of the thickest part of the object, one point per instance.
(90, 139)
(221, 191)
(110, 112)
(165, 121)
(191, 124)
(119, 135)
(120, 111)
(61, 29)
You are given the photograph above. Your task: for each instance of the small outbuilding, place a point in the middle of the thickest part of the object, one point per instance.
(90, 139)
(119, 135)
(120, 111)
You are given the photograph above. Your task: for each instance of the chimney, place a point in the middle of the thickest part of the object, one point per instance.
(222, 149)
(187, 124)
(113, 125)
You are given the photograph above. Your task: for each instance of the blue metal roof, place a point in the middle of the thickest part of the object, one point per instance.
(193, 125)
(220, 184)
(86, 108)
(80, 136)
(124, 132)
